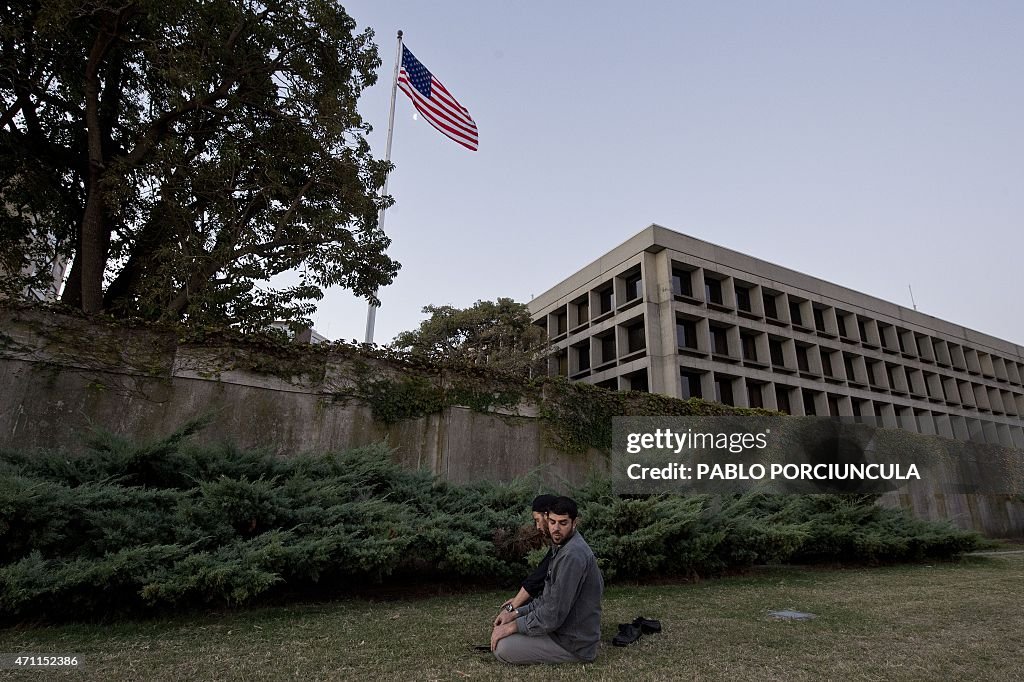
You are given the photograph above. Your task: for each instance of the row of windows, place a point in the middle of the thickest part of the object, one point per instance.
(623, 342)
(627, 341)
(632, 381)
(595, 305)
(784, 309)
(734, 344)
(744, 392)
(776, 307)
(759, 349)
(728, 390)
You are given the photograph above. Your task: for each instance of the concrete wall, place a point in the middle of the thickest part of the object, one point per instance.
(61, 375)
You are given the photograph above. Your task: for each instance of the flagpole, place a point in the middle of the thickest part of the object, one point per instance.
(371, 310)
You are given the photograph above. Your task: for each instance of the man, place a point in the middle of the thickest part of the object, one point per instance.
(533, 584)
(563, 624)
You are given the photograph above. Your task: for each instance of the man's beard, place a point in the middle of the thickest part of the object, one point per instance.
(565, 538)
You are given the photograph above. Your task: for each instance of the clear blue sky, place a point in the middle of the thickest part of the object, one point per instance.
(873, 144)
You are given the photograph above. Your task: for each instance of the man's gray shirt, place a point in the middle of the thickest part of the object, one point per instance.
(569, 610)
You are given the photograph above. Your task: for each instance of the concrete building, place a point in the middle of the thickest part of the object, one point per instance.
(668, 313)
(49, 286)
(308, 336)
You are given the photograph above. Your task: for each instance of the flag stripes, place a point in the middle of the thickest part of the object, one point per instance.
(436, 104)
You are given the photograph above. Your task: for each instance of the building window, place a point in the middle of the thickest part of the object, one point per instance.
(826, 362)
(582, 356)
(633, 286)
(872, 370)
(691, 385)
(749, 344)
(833, 405)
(782, 399)
(856, 405)
(819, 319)
(891, 371)
(561, 322)
(563, 363)
(723, 390)
(848, 362)
(638, 381)
(712, 291)
(607, 348)
(808, 403)
(775, 350)
(754, 395)
(914, 381)
(610, 384)
(719, 341)
(794, 313)
(681, 285)
(801, 359)
(635, 337)
(770, 310)
(686, 333)
(743, 299)
(583, 310)
(605, 300)
(841, 324)
(885, 333)
(862, 329)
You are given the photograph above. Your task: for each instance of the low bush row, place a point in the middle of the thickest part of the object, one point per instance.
(140, 528)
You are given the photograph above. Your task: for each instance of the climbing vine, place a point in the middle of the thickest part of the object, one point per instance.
(395, 385)
(411, 392)
(579, 415)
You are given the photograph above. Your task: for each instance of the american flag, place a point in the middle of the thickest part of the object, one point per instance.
(435, 102)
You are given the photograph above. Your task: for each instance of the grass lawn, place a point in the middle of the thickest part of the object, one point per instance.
(962, 620)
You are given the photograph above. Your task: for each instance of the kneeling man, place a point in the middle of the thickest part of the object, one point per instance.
(563, 624)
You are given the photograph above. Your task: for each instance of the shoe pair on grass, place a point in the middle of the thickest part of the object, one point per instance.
(630, 632)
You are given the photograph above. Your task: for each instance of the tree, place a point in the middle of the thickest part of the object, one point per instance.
(499, 334)
(182, 153)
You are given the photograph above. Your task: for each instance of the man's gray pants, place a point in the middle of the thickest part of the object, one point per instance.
(520, 648)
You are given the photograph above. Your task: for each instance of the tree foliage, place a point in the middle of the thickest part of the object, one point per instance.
(498, 333)
(182, 153)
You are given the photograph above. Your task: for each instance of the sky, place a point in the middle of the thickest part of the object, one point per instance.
(874, 144)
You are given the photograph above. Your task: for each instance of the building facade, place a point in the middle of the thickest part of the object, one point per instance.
(671, 314)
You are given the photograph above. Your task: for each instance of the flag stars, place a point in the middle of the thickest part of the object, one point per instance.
(418, 74)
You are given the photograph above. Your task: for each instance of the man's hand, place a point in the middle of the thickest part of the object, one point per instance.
(504, 609)
(505, 617)
(501, 632)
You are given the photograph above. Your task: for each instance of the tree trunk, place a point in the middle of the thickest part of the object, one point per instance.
(72, 295)
(94, 240)
(93, 254)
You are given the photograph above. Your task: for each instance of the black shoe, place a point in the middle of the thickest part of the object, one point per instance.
(647, 625)
(628, 633)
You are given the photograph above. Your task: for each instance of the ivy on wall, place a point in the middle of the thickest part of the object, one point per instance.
(395, 385)
(580, 415)
(410, 392)
(577, 416)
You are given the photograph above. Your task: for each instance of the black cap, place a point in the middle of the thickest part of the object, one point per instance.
(542, 503)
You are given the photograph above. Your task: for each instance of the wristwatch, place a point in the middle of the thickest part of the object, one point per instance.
(509, 608)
